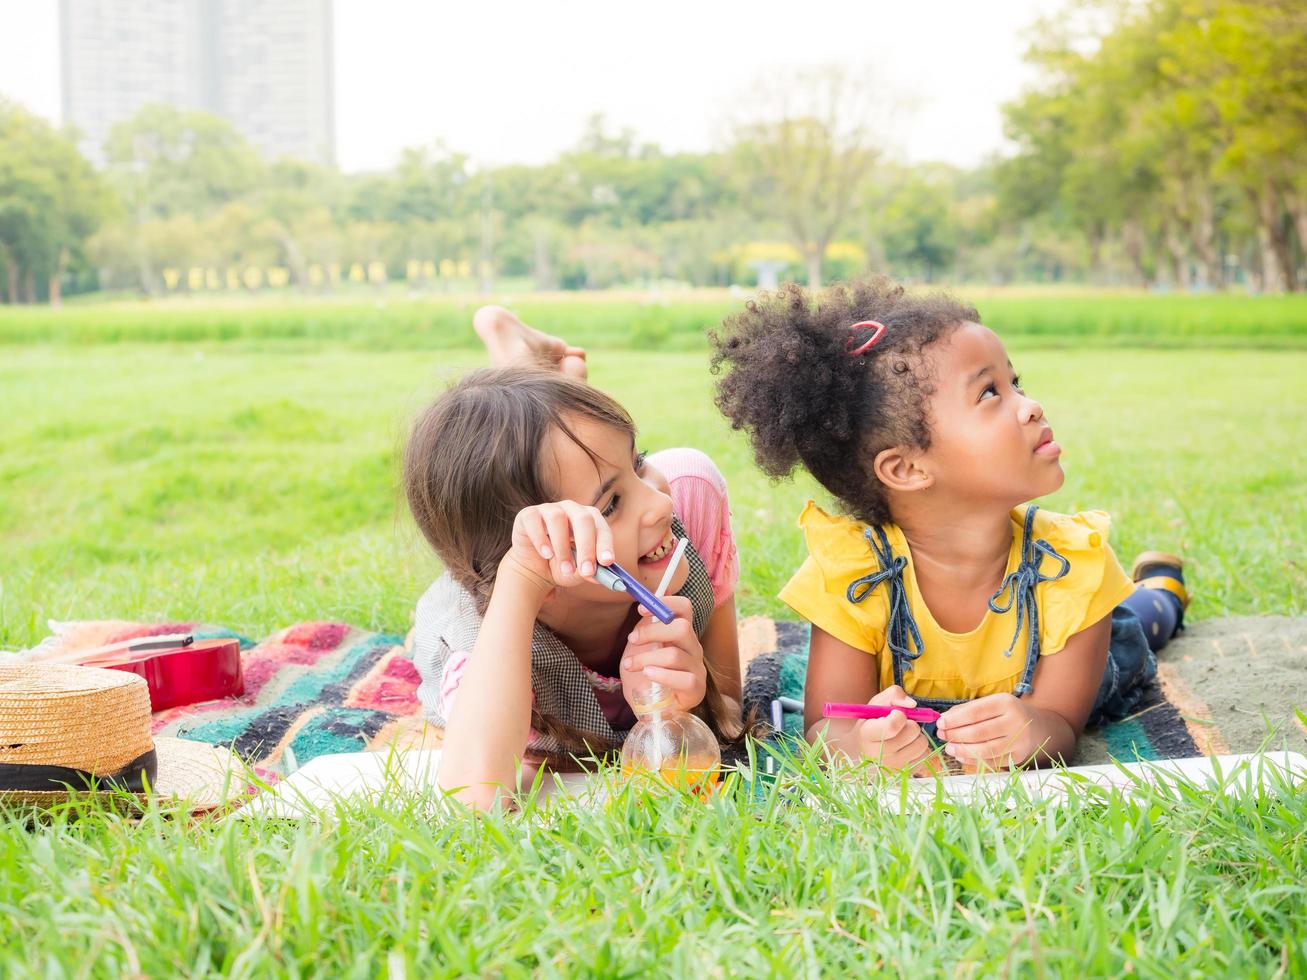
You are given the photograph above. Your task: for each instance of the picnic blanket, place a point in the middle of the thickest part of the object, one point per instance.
(314, 689)
(317, 688)
(1224, 686)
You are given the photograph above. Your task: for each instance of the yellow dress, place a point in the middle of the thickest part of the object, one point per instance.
(956, 666)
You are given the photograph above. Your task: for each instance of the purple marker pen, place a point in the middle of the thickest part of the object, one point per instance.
(618, 579)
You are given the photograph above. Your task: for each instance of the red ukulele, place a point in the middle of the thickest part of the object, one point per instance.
(179, 670)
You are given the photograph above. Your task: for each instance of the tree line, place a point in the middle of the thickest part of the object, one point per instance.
(1165, 143)
(1173, 133)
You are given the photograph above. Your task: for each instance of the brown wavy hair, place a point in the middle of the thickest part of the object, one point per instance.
(789, 382)
(473, 461)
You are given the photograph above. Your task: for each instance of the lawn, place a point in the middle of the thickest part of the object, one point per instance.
(650, 320)
(153, 470)
(256, 487)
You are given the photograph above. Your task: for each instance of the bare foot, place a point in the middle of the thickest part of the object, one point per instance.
(510, 342)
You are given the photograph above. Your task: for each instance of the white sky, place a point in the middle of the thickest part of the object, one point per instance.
(515, 80)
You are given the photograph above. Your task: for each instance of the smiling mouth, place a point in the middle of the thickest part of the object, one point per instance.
(663, 549)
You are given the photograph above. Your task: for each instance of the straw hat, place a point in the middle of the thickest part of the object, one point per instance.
(64, 726)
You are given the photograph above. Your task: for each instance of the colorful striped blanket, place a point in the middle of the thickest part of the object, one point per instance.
(1233, 685)
(312, 689)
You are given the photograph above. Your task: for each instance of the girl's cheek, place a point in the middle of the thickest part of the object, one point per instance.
(626, 541)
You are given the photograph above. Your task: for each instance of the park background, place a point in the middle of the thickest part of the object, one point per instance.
(1154, 145)
(210, 354)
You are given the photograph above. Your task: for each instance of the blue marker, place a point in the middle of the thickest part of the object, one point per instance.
(618, 579)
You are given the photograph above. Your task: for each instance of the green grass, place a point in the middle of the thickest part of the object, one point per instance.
(665, 321)
(1199, 883)
(258, 487)
(250, 481)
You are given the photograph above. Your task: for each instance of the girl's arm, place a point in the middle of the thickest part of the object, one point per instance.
(491, 719)
(490, 722)
(721, 650)
(699, 497)
(840, 672)
(1043, 726)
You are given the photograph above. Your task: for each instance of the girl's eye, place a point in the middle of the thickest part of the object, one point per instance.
(1016, 383)
(612, 506)
(989, 390)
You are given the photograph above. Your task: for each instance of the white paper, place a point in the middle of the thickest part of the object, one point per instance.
(314, 790)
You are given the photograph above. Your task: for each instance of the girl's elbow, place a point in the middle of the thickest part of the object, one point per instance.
(480, 796)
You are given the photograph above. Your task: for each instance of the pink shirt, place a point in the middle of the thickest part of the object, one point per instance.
(698, 492)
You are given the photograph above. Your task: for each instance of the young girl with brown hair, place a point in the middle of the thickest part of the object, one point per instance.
(525, 479)
(941, 585)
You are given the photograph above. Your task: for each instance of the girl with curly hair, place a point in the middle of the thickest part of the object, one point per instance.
(940, 584)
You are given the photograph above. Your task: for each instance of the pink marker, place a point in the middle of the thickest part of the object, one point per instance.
(834, 709)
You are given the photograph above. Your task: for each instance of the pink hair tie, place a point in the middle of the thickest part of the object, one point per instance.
(874, 325)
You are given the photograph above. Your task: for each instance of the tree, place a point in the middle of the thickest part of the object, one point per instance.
(51, 201)
(1175, 127)
(166, 162)
(1082, 158)
(911, 212)
(802, 149)
(294, 201)
(1245, 63)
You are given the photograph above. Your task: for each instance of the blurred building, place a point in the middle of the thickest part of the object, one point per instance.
(266, 66)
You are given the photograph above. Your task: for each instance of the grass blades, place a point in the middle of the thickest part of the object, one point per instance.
(255, 489)
(757, 881)
(394, 319)
(237, 465)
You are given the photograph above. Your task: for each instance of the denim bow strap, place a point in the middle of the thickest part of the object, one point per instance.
(902, 634)
(1020, 586)
(902, 627)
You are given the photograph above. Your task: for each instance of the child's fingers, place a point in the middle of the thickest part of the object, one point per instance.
(910, 752)
(583, 539)
(992, 751)
(894, 695)
(972, 712)
(671, 658)
(532, 526)
(560, 541)
(900, 741)
(882, 729)
(899, 749)
(981, 731)
(679, 632)
(1001, 748)
(682, 681)
(553, 347)
(604, 551)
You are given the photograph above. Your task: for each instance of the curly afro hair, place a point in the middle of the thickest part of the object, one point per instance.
(792, 385)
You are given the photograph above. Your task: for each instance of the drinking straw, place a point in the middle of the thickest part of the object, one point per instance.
(672, 566)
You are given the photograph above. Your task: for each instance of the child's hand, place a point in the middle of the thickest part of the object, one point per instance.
(670, 655)
(894, 742)
(994, 731)
(544, 537)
